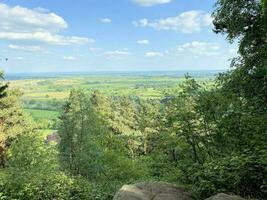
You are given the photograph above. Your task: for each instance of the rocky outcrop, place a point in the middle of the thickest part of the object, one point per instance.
(222, 196)
(152, 191)
(162, 191)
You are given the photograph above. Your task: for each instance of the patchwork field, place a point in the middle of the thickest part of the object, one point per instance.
(43, 96)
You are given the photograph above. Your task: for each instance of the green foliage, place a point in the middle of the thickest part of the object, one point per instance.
(88, 148)
(209, 138)
(245, 21)
(14, 122)
(35, 154)
(243, 174)
(33, 173)
(56, 185)
(224, 127)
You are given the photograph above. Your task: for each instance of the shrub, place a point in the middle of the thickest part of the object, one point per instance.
(245, 175)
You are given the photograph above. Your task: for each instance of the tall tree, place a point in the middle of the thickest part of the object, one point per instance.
(183, 119)
(236, 111)
(13, 122)
(78, 130)
(124, 122)
(245, 21)
(147, 121)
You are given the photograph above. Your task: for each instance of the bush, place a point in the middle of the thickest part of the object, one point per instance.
(51, 186)
(33, 173)
(245, 175)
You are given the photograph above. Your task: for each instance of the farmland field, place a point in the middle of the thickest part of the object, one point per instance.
(44, 95)
(38, 114)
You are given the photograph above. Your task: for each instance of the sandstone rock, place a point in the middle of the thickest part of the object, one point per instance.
(222, 196)
(151, 191)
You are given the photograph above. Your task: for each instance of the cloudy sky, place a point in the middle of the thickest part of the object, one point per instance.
(110, 35)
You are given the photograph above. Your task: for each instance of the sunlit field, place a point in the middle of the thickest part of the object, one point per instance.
(43, 96)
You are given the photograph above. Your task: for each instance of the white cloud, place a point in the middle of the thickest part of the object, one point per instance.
(198, 49)
(151, 54)
(68, 58)
(148, 3)
(23, 19)
(46, 37)
(192, 49)
(141, 23)
(117, 54)
(25, 48)
(19, 23)
(186, 22)
(106, 20)
(143, 41)
(94, 49)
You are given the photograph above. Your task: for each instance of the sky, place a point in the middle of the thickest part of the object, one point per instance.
(110, 35)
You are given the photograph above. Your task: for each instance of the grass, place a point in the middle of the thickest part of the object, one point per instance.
(42, 114)
(58, 88)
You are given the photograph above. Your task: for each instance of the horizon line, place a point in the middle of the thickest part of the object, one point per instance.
(119, 71)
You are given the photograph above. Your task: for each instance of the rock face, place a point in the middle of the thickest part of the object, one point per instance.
(222, 196)
(151, 191)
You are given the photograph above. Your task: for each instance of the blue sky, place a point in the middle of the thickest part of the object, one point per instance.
(110, 35)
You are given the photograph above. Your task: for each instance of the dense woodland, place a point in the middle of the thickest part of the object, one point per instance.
(205, 139)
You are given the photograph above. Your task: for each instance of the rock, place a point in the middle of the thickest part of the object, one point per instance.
(54, 137)
(222, 196)
(152, 191)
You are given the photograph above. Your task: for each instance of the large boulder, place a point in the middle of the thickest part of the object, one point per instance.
(222, 196)
(152, 191)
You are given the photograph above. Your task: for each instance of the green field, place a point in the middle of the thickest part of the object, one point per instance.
(42, 114)
(43, 97)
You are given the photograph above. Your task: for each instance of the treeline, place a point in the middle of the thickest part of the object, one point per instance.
(48, 104)
(207, 140)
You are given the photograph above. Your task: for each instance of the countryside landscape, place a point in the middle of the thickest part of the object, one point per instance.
(44, 95)
(133, 100)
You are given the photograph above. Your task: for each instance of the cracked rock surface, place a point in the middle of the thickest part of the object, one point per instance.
(152, 191)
